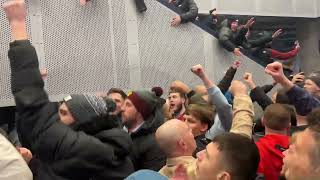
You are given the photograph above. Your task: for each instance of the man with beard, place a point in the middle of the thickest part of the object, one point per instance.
(177, 100)
(142, 115)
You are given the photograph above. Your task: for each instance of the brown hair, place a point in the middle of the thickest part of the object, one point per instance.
(239, 154)
(179, 91)
(313, 118)
(315, 153)
(119, 91)
(277, 117)
(203, 112)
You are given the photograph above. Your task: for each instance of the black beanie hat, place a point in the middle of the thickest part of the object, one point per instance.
(85, 107)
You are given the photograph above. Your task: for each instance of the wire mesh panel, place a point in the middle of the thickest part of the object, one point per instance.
(167, 53)
(77, 46)
(120, 43)
(224, 59)
(5, 37)
(86, 48)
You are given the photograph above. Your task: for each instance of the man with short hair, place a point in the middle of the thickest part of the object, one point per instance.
(175, 138)
(177, 100)
(200, 118)
(231, 36)
(221, 110)
(312, 84)
(232, 155)
(276, 120)
(302, 160)
(229, 156)
(142, 115)
(118, 96)
(303, 101)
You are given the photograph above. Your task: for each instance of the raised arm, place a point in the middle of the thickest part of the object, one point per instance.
(257, 94)
(225, 82)
(216, 98)
(242, 110)
(38, 122)
(301, 99)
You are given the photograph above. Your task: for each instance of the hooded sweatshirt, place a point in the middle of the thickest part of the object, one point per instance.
(271, 148)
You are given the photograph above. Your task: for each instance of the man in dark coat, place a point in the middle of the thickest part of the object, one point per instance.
(142, 115)
(63, 153)
(189, 11)
(232, 36)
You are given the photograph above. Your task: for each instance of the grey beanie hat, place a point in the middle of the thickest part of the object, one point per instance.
(85, 107)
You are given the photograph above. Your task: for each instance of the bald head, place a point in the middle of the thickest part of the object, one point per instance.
(174, 137)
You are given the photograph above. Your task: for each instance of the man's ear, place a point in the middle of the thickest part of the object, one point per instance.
(223, 176)
(204, 127)
(139, 116)
(181, 144)
(184, 100)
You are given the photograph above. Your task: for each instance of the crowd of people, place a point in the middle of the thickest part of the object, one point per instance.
(235, 37)
(204, 133)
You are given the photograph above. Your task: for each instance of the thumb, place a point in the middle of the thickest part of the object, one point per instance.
(268, 71)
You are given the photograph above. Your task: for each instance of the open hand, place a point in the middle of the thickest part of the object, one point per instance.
(176, 21)
(237, 52)
(250, 22)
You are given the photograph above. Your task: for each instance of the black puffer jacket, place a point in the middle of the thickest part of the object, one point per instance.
(62, 153)
(201, 142)
(146, 152)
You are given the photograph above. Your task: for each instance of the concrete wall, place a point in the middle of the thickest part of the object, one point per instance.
(308, 33)
(318, 3)
(291, 8)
